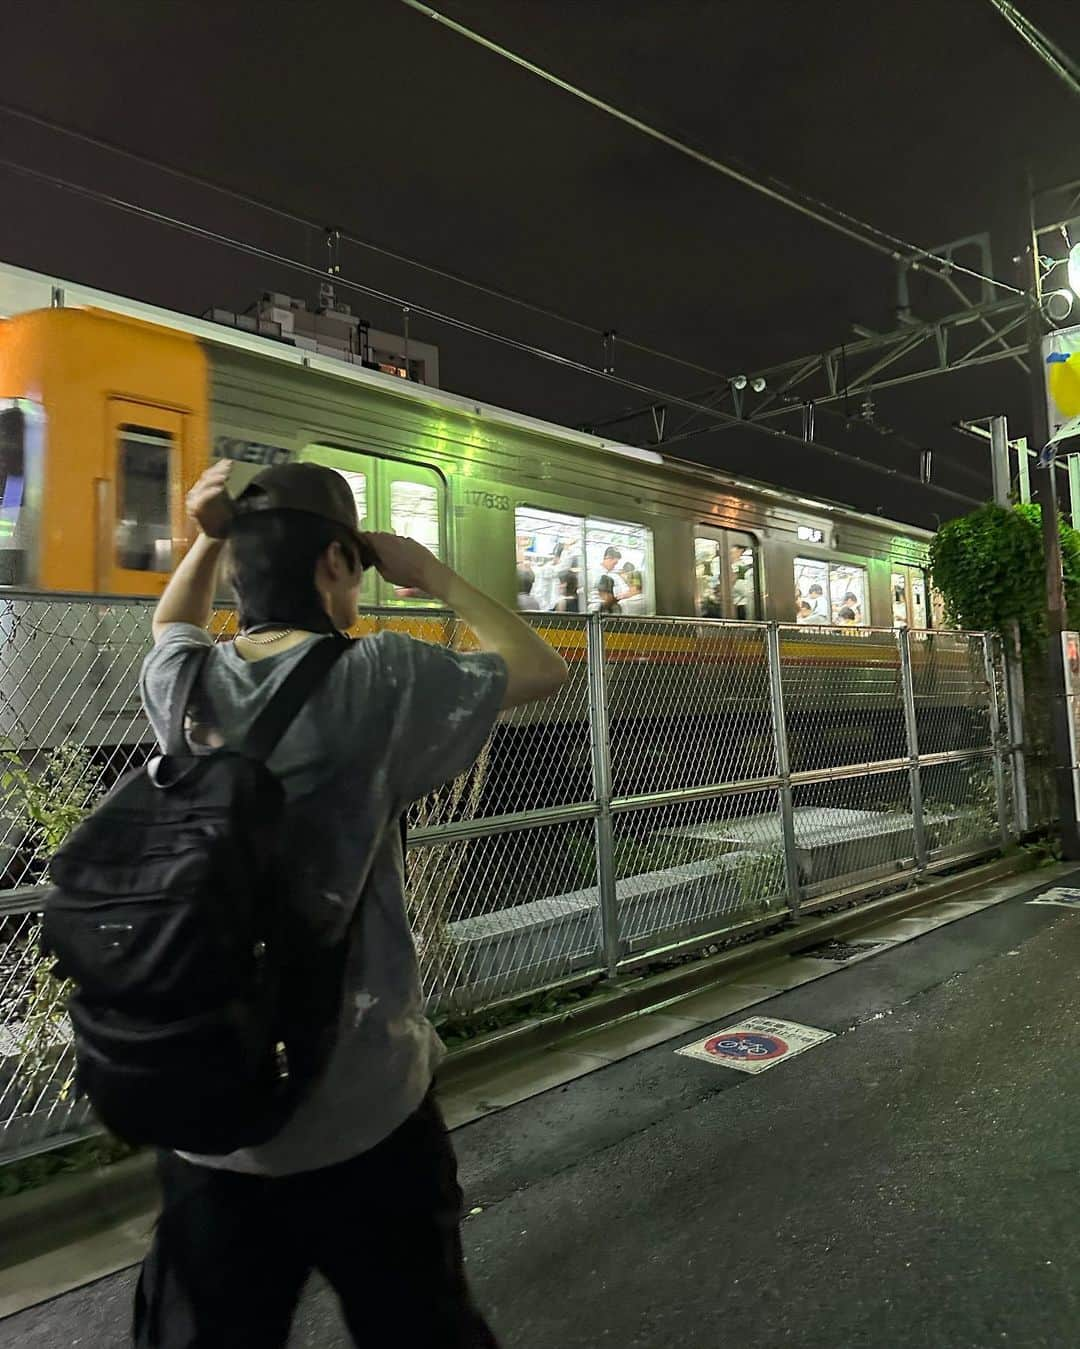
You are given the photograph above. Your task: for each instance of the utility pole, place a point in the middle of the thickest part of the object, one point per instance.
(1056, 616)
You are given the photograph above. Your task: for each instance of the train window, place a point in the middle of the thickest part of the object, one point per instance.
(725, 571)
(830, 593)
(909, 597)
(900, 598)
(709, 576)
(743, 571)
(847, 595)
(414, 512)
(618, 568)
(411, 502)
(550, 561)
(569, 565)
(20, 426)
(812, 591)
(919, 611)
(358, 486)
(143, 515)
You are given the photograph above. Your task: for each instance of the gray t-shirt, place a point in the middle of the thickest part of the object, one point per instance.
(394, 719)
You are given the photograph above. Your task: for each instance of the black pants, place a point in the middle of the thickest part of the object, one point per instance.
(232, 1252)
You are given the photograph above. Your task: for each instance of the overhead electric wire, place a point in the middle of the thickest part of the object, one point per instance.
(463, 325)
(293, 218)
(832, 217)
(1063, 66)
(685, 433)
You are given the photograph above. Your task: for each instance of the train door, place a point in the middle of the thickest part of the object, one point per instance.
(139, 499)
(909, 599)
(725, 573)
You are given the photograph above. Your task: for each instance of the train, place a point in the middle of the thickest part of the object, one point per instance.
(110, 408)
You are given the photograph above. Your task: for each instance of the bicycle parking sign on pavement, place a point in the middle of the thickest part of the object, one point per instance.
(756, 1044)
(1066, 897)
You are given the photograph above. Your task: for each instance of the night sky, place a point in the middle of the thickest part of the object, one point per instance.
(920, 117)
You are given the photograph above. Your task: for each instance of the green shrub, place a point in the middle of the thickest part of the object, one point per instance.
(990, 569)
(47, 805)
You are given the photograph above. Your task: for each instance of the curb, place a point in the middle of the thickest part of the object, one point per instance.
(73, 1208)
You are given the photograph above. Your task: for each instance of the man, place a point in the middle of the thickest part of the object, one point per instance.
(612, 557)
(851, 601)
(606, 601)
(819, 612)
(360, 1183)
(526, 600)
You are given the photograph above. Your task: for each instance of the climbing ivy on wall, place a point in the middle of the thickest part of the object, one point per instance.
(989, 568)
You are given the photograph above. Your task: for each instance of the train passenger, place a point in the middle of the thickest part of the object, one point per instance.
(804, 613)
(569, 601)
(360, 1182)
(845, 617)
(612, 556)
(851, 601)
(607, 602)
(712, 602)
(742, 592)
(633, 602)
(818, 610)
(546, 589)
(742, 581)
(526, 600)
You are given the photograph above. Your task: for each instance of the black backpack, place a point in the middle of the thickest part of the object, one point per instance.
(167, 914)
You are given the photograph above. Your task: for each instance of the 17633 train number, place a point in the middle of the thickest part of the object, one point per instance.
(490, 501)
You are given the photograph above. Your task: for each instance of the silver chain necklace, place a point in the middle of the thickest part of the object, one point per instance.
(267, 640)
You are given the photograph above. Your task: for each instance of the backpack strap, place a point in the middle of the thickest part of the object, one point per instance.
(300, 683)
(190, 673)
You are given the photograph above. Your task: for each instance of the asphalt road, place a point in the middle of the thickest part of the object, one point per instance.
(911, 1184)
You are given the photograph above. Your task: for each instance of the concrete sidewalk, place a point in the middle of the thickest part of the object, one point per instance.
(912, 1182)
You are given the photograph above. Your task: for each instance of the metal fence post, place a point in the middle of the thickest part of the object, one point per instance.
(601, 756)
(783, 769)
(1014, 727)
(911, 730)
(995, 740)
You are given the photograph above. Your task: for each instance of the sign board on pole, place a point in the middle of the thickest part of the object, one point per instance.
(1061, 370)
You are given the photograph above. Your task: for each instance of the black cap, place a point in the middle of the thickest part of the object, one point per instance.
(310, 488)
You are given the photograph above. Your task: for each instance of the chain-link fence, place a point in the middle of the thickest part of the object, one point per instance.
(693, 779)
